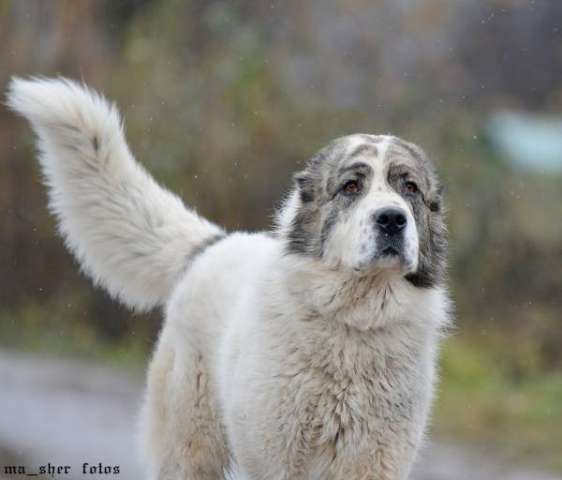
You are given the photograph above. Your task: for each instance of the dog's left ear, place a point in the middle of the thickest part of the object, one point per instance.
(435, 198)
(305, 186)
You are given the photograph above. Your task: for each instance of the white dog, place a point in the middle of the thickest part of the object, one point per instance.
(307, 353)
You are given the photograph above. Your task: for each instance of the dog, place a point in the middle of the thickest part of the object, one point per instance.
(304, 353)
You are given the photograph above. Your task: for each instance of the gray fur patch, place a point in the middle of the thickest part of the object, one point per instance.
(301, 234)
(426, 206)
(327, 228)
(371, 138)
(199, 249)
(363, 150)
(318, 185)
(412, 149)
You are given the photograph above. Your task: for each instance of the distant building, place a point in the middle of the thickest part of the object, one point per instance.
(528, 142)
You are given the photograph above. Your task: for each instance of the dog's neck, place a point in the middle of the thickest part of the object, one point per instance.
(363, 301)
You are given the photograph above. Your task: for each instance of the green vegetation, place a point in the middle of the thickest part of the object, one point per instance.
(62, 329)
(494, 392)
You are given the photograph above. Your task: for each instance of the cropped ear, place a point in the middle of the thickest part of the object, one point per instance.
(305, 186)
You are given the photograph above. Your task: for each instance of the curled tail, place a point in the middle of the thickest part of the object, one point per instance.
(129, 234)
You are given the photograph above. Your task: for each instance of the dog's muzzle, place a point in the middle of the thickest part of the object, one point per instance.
(391, 224)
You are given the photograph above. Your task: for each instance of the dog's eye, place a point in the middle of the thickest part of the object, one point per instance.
(411, 187)
(352, 187)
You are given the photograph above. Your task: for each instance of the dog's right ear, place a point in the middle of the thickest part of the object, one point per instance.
(305, 186)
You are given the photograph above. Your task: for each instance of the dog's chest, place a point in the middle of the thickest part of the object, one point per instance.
(349, 390)
(344, 414)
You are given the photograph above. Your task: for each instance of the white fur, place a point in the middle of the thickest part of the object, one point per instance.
(128, 233)
(269, 366)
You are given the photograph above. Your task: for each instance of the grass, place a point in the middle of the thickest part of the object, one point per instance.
(50, 330)
(494, 393)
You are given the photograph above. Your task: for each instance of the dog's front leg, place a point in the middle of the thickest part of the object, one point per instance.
(277, 464)
(382, 464)
(382, 461)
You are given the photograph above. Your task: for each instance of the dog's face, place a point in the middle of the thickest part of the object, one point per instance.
(370, 203)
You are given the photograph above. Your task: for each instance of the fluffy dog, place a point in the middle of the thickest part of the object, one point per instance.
(307, 353)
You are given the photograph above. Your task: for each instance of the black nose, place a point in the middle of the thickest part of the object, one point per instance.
(391, 220)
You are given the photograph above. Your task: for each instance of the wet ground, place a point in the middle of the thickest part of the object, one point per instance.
(56, 413)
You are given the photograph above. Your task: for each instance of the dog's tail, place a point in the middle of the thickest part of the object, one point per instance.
(128, 233)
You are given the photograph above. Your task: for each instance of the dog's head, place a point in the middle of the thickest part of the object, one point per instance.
(369, 203)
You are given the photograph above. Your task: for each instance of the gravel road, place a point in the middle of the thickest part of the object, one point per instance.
(67, 412)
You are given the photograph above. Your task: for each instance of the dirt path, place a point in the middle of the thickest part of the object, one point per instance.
(69, 413)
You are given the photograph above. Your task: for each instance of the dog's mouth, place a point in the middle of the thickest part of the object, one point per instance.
(390, 251)
(390, 247)
(391, 256)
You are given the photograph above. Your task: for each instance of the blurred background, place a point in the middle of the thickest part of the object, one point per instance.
(223, 100)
